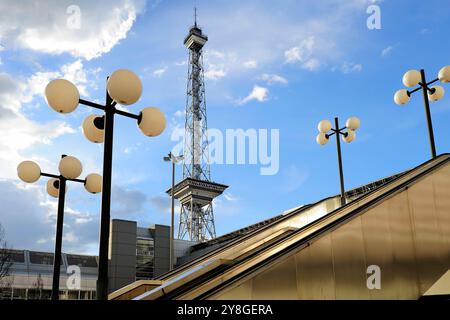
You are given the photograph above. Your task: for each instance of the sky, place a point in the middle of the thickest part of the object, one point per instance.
(270, 66)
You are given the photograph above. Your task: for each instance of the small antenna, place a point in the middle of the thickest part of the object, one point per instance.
(195, 16)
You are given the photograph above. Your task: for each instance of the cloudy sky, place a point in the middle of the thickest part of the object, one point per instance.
(269, 65)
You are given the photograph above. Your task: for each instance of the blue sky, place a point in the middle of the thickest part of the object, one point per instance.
(310, 61)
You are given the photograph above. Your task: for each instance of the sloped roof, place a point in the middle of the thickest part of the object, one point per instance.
(353, 193)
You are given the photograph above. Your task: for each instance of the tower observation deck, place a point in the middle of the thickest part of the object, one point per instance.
(196, 191)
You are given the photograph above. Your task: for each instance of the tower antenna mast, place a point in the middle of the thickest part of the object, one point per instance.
(196, 191)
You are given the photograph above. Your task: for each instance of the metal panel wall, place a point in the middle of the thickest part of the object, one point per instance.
(407, 236)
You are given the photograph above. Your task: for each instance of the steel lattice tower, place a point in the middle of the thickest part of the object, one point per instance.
(196, 163)
(196, 191)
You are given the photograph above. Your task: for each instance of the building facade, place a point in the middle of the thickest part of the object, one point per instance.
(31, 276)
(138, 253)
(135, 253)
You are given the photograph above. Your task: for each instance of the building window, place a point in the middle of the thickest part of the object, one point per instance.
(16, 256)
(42, 258)
(144, 258)
(5, 293)
(81, 261)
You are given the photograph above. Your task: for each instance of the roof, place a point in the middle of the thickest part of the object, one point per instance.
(353, 193)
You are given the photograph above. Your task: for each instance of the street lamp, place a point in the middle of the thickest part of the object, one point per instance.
(413, 78)
(348, 136)
(123, 87)
(174, 160)
(69, 170)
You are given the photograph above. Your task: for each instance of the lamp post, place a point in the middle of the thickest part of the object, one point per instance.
(70, 169)
(348, 136)
(123, 87)
(174, 160)
(413, 78)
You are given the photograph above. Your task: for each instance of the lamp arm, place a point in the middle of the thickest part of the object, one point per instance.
(426, 87)
(77, 180)
(43, 174)
(433, 81)
(91, 104)
(102, 107)
(128, 114)
(412, 91)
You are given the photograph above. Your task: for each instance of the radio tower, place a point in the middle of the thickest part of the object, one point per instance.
(196, 191)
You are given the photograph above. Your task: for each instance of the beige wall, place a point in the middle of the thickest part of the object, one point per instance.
(407, 236)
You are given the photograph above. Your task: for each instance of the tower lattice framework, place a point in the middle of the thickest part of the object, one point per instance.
(196, 191)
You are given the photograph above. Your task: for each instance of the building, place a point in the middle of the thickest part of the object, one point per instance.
(136, 253)
(390, 240)
(31, 276)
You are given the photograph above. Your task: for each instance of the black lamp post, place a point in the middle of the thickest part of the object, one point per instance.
(123, 87)
(174, 160)
(413, 78)
(348, 136)
(70, 168)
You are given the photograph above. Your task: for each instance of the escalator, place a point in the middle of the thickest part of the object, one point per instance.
(324, 250)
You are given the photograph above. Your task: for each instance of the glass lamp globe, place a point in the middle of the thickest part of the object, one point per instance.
(437, 94)
(324, 126)
(350, 136)
(401, 97)
(322, 138)
(411, 78)
(353, 123)
(70, 167)
(91, 131)
(124, 86)
(93, 183)
(53, 187)
(444, 74)
(28, 171)
(152, 121)
(62, 95)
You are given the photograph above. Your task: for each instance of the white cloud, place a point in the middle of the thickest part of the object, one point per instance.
(132, 148)
(27, 209)
(45, 26)
(250, 64)
(321, 30)
(273, 78)
(160, 72)
(386, 51)
(349, 67)
(18, 131)
(180, 113)
(74, 72)
(181, 63)
(215, 74)
(229, 197)
(303, 54)
(311, 64)
(218, 63)
(258, 93)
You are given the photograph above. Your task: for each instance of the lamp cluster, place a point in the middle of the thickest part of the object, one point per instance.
(413, 78)
(124, 87)
(69, 167)
(348, 136)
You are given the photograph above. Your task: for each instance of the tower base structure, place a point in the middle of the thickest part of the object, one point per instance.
(196, 216)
